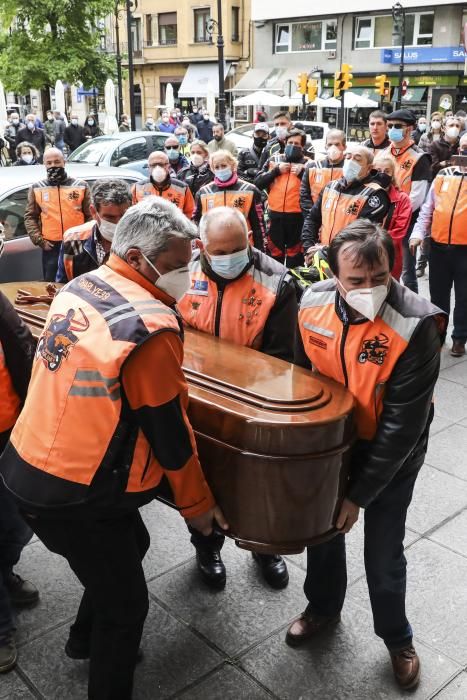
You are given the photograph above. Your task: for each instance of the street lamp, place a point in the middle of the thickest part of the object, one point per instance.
(131, 86)
(210, 25)
(398, 17)
(118, 16)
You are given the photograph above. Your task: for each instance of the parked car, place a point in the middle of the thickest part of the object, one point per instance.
(315, 131)
(128, 149)
(21, 260)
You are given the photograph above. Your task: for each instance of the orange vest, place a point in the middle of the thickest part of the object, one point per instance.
(9, 402)
(61, 208)
(284, 192)
(77, 233)
(449, 223)
(339, 209)
(94, 324)
(319, 176)
(405, 164)
(176, 194)
(240, 199)
(238, 313)
(362, 357)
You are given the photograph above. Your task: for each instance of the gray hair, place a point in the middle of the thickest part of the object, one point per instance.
(110, 192)
(337, 134)
(149, 226)
(221, 216)
(357, 147)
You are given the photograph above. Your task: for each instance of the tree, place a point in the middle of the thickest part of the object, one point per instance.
(53, 40)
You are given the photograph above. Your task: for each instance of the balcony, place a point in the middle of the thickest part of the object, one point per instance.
(161, 43)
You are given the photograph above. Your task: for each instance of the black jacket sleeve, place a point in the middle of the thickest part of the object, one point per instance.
(18, 346)
(306, 201)
(312, 224)
(265, 177)
(403, 425)
(376, 208)
(256, 219)
(279, 331)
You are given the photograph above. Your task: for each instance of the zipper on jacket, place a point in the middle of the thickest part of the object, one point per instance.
(454, 209)
(285, 192)
(342, 354)
(217, 319)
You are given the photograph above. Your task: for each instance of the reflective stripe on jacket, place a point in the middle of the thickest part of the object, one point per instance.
(10, 402)
(449, 225)
(61, 207)
(177, 192)
(240, 197)
(340, 208)
(319, 176)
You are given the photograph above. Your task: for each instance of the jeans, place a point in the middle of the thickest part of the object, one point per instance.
(106, 555)
(409, 277)
(424, 252)
(385, 564)
(448, 267)
(50, 262)
(14, 534)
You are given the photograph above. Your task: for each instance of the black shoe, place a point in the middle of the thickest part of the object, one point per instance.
(273, 568)
(21, 592)
(211, 567)
(77, 649)
(8, 653)
(420, 271)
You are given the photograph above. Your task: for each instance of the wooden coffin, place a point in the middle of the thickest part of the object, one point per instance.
(273, 438)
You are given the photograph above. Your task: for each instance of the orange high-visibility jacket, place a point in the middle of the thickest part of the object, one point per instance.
(61, 207)
(178, 193)
(319, 176)
(9, 402)
(338, 209)
(405, 161)
(284, 192)
(449, 224)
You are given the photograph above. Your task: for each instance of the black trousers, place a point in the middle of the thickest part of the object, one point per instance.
(285, 238)
(106, 556)
(448, 267)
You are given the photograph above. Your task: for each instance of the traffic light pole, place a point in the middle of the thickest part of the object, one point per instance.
(398, 16)
(341, 112)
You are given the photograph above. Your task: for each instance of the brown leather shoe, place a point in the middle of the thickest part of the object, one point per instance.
(458, 348)
(307, 626)
(406, 667)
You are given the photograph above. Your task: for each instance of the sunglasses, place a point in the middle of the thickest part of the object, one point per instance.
(167, 148)
(398, 126)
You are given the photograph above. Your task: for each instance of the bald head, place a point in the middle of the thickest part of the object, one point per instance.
(158, 158)
(223, 231)
(53, 158)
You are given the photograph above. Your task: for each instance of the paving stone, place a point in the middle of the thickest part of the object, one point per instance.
(437, 496)
(448, 449)
(170, 539)
(59, 589)
(455, 690)
(439, 423)
(447, 360)
(13, 688)
(436, 598)
(456, 372)
(243, 613)
(450, 400)
(454, 534)
(173, 658)
(346, 663)
(354, 551)
(229, 683)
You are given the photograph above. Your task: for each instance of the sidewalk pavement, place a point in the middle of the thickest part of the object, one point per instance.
(229, 645)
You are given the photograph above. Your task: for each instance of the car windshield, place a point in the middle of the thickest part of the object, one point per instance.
(91, 152)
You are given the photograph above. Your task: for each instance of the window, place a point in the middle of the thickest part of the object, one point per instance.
(136, 37)
(12, 214)
(378, 31)
(129, 152)
(306, 36)
(167, 28)
(235, 24)
(151, 30)
(201, 18)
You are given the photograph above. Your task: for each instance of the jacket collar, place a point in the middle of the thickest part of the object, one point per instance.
(122, 268)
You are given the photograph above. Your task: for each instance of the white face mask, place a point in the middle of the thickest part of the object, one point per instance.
(27, 158)
(422, 127)
(281, 132)
(366, 300)
(74, 122)
(436, 125)
(334, 154)
(351, 169)
(159, 174)
(197, 160)
(106, 229)
(174, 283)
(452, 132)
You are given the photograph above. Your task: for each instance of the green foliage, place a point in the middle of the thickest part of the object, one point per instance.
(53, 40)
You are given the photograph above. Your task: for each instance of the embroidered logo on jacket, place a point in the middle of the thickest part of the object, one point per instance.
(59, 337)
(353, 208)
(374, 350)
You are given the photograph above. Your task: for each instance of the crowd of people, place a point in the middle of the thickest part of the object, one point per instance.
(207, 230)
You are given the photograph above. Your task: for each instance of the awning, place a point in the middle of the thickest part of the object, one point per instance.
(279, 80)
(413, 95)
(201, 78)
(252, 79)
(368, 92)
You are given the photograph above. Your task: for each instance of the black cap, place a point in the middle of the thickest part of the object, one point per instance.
(403, 115)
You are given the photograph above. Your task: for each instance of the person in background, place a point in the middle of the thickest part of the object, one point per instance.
(33, 135)
(181, 132)
(434, 133)
(191, 129)
(420, 129)
(249, 158)
(149, 124)
(282, 125)
(91, 127)
(162, 184)
(87, 246)
(447, 113)
(195, 115)
(11, 131)
(282, 181)
(398, 218)
(26, 154)
(446, 146)
(441, 219)
(319, 173)
(378, 126)
(227, 189)
(164, 125)
(197, 173)
(176, 159)
(50, 128)
(55, 205)
(60, 126)
(222, 274)
(220, 142)
(124, 123)
(205, 127)
(462, 116)
(74, 134)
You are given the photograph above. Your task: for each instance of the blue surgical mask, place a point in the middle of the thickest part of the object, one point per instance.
(351, 169)
(396, 135)
(31, 125)
(229, 266)
(224, 174)
(172, 153)
(182, 140)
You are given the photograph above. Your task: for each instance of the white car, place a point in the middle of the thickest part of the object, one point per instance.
(316, 135)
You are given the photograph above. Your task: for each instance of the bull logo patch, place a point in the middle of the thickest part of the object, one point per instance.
(73, 195)
(406, 164)
(59, 337)
(353, 209)
(239, 202)
(374, 349)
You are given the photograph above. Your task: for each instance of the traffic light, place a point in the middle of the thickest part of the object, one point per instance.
(347, 76)
(387, 91)
(312, 90)
(302, 80)
(338, 83)
(380, 84)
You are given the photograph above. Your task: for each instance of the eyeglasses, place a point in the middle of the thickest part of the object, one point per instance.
(167, 148)
(398, 126)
